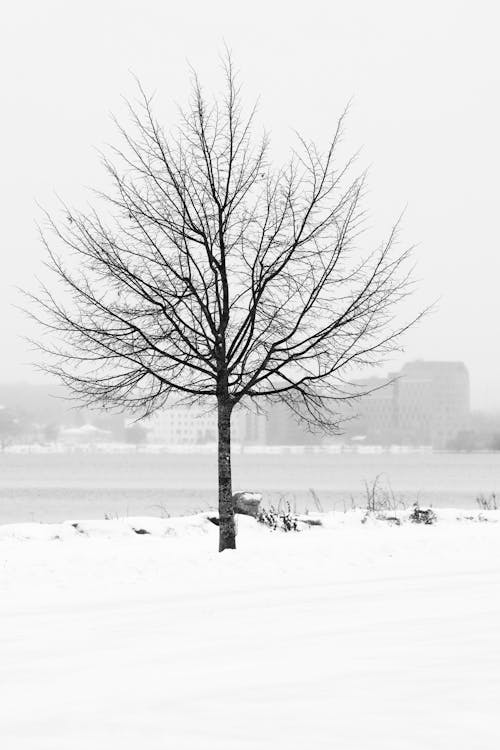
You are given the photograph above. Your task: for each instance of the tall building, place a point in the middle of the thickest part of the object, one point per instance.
(376, 412)
(425, 403)
(432, 401)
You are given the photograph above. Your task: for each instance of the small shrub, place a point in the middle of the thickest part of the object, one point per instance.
(382, 503)
(487, 503)
(112, 516)
(282, 518)
(423, 515)
(382, 499)
(316, 500)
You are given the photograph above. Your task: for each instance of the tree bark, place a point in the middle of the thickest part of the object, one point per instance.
(227, 530)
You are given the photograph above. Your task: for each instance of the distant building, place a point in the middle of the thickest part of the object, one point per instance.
(87, 433)
(195, 425)
(252, 427)
(181, 425)
(376, 412)
(432, 401)
(282, 428)
(425, 403)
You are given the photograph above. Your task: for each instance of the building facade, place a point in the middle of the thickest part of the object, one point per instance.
(195, 425)
(432, 401)
(181, 425)
(425, 403)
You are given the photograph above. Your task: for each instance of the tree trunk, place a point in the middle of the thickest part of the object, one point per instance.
(227, 530)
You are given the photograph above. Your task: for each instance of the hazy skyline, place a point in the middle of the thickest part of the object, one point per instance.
(423, 77)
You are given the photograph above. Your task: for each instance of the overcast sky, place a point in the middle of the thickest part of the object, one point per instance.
(424, 78)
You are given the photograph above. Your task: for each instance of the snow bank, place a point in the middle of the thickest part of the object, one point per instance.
(108, 528)
(200, 524)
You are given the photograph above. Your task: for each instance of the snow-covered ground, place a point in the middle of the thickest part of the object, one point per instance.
(349, 636)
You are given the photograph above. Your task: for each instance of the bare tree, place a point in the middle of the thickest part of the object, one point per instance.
(216, 278)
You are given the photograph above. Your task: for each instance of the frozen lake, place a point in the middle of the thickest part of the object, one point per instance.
(56, 487)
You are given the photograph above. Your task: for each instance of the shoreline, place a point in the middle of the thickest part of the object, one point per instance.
(236, 448)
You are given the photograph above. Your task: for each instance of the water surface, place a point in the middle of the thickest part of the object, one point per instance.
(56, 487)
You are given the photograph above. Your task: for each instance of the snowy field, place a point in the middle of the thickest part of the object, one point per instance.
(349, 636)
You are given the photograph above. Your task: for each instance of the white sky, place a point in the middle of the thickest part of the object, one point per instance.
(425, 81)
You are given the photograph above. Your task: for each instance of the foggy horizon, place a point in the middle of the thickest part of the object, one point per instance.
(45, 381)
(423, 111)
